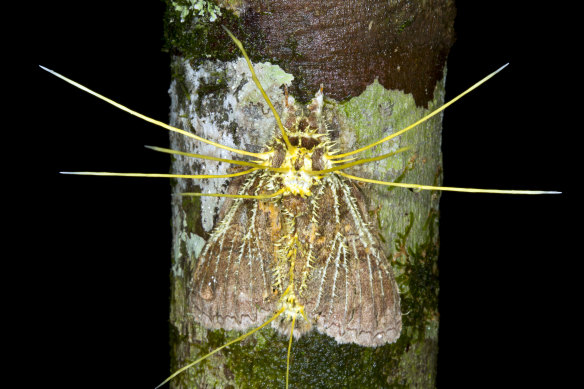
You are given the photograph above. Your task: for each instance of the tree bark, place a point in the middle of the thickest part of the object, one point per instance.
(382, 66)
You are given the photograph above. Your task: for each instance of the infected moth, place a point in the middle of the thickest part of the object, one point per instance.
(307, 249)
(295, 247)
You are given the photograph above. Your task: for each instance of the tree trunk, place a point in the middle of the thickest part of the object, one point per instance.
(382, 66)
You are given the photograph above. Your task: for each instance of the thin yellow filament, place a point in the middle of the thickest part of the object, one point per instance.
(148, 119)
(448, 188)
(200, 156)
(435, 112)
(237, 196)
(163, 175)
(290, 349)
(261, 89)
(238, 339)
(358, 162)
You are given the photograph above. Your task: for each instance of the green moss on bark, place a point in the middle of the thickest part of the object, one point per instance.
(198, 38)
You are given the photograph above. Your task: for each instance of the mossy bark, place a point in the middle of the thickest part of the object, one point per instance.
(213, 96)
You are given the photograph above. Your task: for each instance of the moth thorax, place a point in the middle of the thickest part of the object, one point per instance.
(299, 163)
(298, 183)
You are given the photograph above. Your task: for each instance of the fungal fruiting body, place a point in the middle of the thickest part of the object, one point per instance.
(295, 247)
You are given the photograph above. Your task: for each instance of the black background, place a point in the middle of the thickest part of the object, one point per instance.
(89, 281)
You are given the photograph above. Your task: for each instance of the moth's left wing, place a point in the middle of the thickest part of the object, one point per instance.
(232, 282)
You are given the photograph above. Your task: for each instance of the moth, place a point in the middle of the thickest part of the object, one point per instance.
(296, 248)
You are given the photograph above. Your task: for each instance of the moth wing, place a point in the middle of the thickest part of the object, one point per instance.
(232, 282)
(352, 293)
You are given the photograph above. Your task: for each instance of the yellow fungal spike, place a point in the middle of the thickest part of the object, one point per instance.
(164, 175)
(359, 162)
(237, 196)
(148, 119)
(238, 339)
(442, 108)
(261, 89)
(290, 349)
(231, 161)
(448, 188)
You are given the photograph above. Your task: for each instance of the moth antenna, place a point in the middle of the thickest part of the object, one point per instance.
(358, 162)
(237, 196)
(200, 156)
(261, 89)
(436, 111)
(163, 175)
(290, 349)
(238, 339)
(448, 188)
(148, 119)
